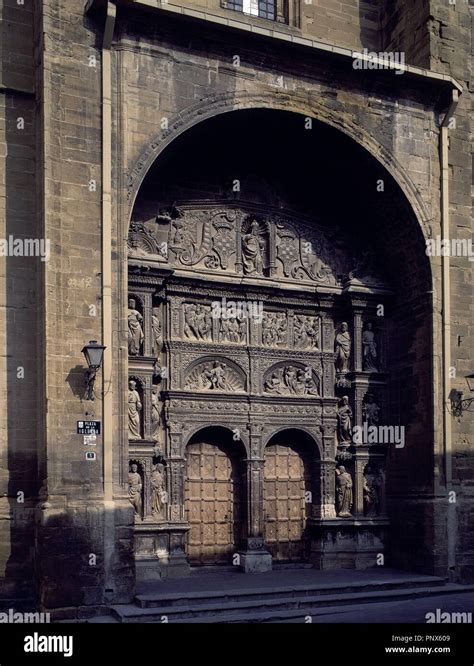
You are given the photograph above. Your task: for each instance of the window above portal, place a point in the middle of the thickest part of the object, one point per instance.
(265, 9)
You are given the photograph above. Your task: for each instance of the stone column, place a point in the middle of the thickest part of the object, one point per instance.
(254, 558)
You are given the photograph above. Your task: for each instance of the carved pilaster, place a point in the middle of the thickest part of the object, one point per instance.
(328, 334)
(358, 324)
(328, 489)
(177, 471)
(255, 497)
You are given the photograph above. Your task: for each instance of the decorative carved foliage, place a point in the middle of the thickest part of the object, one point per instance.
(217, 376)
(296, 379)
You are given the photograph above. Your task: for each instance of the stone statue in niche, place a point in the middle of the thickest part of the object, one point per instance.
(155, 414)
(274, 329)
(306, 332)
(372, 491)
(344, 417)
(157, 332)
(134, 410)
(197, 321)
(135, 330)
(369, 350)
(253, 248)
(159, 497)
(135, 487)
(342, 347)
(291, 380)
(343, 493)
(370, 411)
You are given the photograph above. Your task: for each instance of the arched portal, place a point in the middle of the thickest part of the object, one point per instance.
(289, 490)
(214, 496)
(285, 284)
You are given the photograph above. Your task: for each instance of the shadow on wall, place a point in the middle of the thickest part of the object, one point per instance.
(21, 316)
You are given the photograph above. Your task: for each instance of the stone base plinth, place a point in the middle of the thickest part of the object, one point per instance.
(255, 561)
(348, 544)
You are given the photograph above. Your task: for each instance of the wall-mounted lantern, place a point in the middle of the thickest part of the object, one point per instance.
(93, 353)
(459, 404)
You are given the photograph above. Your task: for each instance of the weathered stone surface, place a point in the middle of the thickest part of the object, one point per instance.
(167, 76)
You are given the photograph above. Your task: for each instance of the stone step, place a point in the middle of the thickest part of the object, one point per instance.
(258, 593)
(268, 609)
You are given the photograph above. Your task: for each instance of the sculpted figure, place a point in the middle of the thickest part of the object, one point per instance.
(134, 409)
(216, 376)
(371, 490)
(343, 348)
(252, 251)
(157, 334)
(135, 489)
(369, 350)
(281, 328)
(290, 379)
(306, 332)
(268, 328)
(370, 410)
(155, 412)
(273, 384)
(344, 416)
(135, 331)
(203, 322)
(190, 321)
(158, 499)
(343, 493)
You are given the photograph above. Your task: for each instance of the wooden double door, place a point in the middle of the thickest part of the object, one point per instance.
(286, 501)
(215, 500)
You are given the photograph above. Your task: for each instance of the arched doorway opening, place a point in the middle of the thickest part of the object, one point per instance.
(214, 496)
(288, 495)
(228, 215)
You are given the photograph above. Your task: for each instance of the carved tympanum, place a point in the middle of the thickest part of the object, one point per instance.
(214, 376)
(291, 380)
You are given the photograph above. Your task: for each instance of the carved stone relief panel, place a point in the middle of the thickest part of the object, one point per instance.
(275, 329)
(197, 321)
(307, 333)
(292, 379)
(216, 375)
(241, 239)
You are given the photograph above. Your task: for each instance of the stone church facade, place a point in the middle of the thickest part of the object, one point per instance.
(238, 200)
